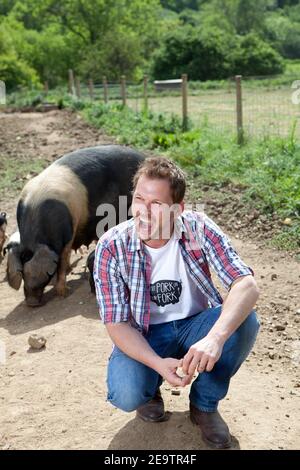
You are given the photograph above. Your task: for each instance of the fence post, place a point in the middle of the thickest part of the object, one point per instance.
(123, 89)
(71, 82)
(77, 86)
(184, 91)
(145, 92)
(91, 88)
(239, 109)
(46, 87)
(105, 89)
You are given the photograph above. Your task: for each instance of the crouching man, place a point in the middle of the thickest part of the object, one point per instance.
(162, 310)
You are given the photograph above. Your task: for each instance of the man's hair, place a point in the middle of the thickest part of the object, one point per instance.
(165, 169)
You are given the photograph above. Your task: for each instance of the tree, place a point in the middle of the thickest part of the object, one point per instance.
(253, 56)
(203, 55)
(94, 37)
(250, 16)
(180, 5)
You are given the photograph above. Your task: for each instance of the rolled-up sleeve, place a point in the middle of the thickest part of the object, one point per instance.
(111, 291)
(221, 255)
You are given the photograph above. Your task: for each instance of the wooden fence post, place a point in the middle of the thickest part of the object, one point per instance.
(105, 89)
(71, 82)
(239, 109)
(91, 88)
(77, 86)
(145, 92)
(46, 87)
(184, 91)
(123, 89)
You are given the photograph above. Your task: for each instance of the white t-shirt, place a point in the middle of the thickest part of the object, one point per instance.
(174, 294)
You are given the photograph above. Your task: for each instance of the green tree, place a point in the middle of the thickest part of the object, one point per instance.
(91, 36)
(13, 70)
(250, 15)
(203, 55)
(180, 5)
(253, 56)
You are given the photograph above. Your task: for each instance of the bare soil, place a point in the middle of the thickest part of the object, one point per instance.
(55, 397)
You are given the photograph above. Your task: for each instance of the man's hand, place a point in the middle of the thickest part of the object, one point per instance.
(168, 370)
(202, 356)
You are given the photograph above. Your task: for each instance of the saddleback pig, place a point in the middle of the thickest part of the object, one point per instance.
(56, 213)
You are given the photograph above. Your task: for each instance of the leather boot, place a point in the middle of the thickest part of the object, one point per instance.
(214, 430)
(153, 410)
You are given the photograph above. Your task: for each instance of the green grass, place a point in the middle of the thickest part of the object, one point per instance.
(13, 173)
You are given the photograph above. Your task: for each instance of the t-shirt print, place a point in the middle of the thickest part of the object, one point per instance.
(165, 292)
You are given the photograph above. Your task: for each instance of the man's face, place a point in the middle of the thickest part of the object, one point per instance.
(151, 204)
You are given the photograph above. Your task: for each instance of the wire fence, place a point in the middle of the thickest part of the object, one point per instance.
(248, 106)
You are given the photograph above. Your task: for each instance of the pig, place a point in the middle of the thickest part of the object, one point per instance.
(3, 225)
(56, 213)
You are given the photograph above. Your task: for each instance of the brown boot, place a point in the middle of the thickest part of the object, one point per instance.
(214, 430)
(153, 410)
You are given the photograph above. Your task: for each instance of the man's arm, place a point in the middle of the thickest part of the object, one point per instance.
(237, 306)
(133, 344)
(240, 301)
(236, 277)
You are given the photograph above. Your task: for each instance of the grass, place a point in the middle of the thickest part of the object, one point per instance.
(14, 173)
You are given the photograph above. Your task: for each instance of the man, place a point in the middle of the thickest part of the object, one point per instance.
(161, 309)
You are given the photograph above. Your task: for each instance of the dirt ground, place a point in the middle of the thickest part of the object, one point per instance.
(56, 398)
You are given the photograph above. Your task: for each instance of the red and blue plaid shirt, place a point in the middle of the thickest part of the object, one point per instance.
(122, 269)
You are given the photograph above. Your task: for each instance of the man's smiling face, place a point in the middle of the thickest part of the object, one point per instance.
(151, 203)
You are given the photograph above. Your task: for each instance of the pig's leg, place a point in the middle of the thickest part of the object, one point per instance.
(64, 263)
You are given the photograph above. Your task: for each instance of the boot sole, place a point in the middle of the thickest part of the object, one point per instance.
(153, 420)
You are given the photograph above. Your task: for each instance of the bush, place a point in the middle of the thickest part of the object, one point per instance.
(202, 55)
(15, 72)
(213, 54)
(253, 56)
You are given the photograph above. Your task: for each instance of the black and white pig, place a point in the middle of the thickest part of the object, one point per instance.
(56, 213)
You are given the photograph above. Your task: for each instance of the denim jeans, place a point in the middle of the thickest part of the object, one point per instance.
(131, 383)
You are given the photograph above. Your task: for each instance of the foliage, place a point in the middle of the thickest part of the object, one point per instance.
(202, 55)
(253, 56)
(213, 54)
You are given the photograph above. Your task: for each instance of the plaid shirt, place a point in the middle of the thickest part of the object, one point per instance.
(122, 269)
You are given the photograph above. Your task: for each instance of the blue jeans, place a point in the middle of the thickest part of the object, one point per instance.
(132, 384)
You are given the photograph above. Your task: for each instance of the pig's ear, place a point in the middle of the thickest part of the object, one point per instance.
(42, 265)
(14, 268)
